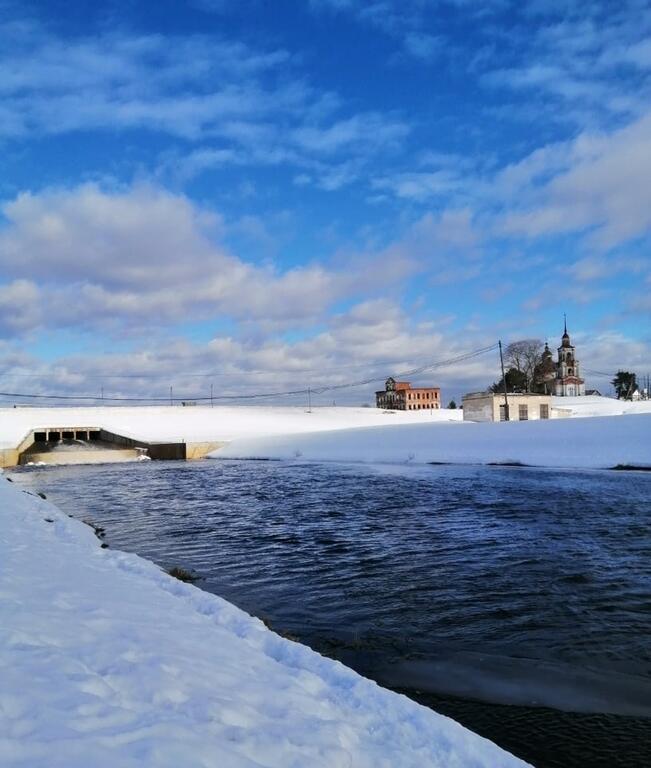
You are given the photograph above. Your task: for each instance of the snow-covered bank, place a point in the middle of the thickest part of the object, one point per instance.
(582, 443)
(594, 405)
(226, 423)
(106, 661)
(197, 423)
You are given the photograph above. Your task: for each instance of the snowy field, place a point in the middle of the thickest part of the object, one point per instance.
(203, 423)
(593, 405)
(106, 661)
(226, 423)
(369, 434)
(599, 442)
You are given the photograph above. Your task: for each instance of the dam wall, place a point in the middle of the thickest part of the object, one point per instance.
(83, 444)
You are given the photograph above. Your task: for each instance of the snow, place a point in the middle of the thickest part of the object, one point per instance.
(226, 423)
(203, 423)
(107, 661)
(600, 442)
(594, 405)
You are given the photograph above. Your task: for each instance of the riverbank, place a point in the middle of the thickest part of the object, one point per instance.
(106, 660)
(583, 443)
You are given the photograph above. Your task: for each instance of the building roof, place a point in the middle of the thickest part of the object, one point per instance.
(500, 395)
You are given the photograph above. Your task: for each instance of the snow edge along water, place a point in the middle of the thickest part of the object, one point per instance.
(602, 442)
(104, 654)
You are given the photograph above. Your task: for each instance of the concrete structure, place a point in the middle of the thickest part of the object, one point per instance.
(489, 406)
(401, 396)
(95, 445)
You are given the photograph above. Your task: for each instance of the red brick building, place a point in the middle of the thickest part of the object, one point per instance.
(401, 396)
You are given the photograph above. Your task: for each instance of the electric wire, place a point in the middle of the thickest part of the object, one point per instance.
(317, 390)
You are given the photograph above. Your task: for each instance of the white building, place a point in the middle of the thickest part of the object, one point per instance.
(489, 406)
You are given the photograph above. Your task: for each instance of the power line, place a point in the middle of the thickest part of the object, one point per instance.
(597, 373)
(260, 395)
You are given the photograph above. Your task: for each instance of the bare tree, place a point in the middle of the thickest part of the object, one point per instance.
(524, 356)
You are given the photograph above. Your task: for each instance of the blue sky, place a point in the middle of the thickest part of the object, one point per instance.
(293, 193)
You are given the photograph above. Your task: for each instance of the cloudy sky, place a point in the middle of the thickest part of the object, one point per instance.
(274, 195)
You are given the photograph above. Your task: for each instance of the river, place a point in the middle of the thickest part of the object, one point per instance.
(516, 600)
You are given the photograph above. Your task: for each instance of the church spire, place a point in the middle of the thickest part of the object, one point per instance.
(565, 341)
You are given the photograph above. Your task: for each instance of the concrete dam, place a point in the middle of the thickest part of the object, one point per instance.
(84, 444)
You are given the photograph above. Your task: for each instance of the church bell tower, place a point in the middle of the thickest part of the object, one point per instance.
(568, 381)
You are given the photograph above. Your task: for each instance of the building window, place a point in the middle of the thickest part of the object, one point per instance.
(544, 411)
(502, 413)
(523, 412)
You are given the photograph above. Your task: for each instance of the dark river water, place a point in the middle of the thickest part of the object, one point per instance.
(518, 601)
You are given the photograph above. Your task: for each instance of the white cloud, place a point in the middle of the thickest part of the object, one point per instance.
(236, 105)
(185, 86)
(585, 63)
(19, 307)
(370, 129)
(146, 255)
(374, 338)
(604, 188)
(403, 20)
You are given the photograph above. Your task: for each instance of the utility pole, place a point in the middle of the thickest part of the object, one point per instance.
(506, 399)
(102, 393)
(211, 402)
(309, 400)
(171, 396)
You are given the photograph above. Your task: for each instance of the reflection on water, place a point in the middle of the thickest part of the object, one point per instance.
(506, 586)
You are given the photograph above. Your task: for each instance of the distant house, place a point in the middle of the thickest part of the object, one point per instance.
(593, 392)
(489, 406)
(401, 396)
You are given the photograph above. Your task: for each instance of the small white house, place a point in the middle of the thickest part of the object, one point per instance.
(490, 406)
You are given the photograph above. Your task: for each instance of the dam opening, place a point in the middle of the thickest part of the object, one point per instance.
(92, 444)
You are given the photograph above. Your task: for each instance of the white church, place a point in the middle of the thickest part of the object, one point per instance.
(562, 378)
